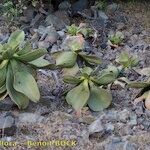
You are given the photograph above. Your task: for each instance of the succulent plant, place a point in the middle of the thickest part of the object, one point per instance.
(74, 30)
(74, 50)
(89, 89)
(17, 65)
(127, 60)
(116, 39)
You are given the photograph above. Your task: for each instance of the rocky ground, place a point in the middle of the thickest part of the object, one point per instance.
(123, 126)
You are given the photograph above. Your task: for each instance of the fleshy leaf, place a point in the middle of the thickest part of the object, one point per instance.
(104, 79)
(71, 80)
(26, 84)
(91, 59)
(26, 49)
(78, 96)
(99, 99)
(66, 59)
(42, 63)
(16, 38)
(28, 57)
(3, 73)
(18, 98)
(71, 71)
(2, 88)
(138, 85)
(126, 60)
(87, 70)
(112, 69)
(3, 95)
(1, 48)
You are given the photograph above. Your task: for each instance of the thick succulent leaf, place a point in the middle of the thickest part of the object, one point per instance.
(112, 69)
(18, 98)
(71, 71)
(138, 85)
(28, 57)
(78, 96)
(66, 59)
(19, 66)
(42, 63)
(134, 61)
(104, 79)
(91, 59)
(9, 52)
(126, 60)
(26, 49)
(3, 73)
(123, 59)
(3, 88)
(87, 70)
(26, 84)
(16, 38)
(1, 48)
(3, 95)
(72, 80)
(3, 63)
(99, 99)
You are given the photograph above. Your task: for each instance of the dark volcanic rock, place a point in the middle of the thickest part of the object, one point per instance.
(7, 125)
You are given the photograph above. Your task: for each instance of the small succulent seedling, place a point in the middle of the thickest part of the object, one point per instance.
(89, 89)
(127, 60)
(74, 30)
(116, 39)
(9, 11)
(17, 64)
(101, 4)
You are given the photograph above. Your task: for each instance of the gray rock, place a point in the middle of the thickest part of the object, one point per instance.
(80, 5)
(139, 110)
(111, 115)
(55, 21)
(123, 115)
(4, 35)
(61, 34)
(112, 8)
(64, 16)
(65, 5)
(109, 127)
(37, 20)
(121, 146)
(43, 44)
(30, 118)
(133, 119)
(102, 16)
(55, 48)
(6, 104)
(48, 33)
(102, 19)
(7, 125)
(96, 126)
(28, 14)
